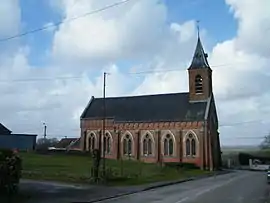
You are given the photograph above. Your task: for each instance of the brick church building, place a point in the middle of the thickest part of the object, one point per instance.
(175, 127)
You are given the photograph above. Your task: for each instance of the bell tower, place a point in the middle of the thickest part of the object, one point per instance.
(200, 75)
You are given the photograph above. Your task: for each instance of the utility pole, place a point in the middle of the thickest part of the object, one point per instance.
(104, 119)
(45, 131)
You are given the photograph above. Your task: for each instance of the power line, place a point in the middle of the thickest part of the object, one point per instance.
(42, 79)
(241, 123)
(169, 70)
(80, 77)
(64, 21)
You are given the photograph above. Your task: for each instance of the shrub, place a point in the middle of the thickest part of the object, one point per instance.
(10, 171)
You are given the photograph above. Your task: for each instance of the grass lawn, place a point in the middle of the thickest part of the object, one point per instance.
(72, 168)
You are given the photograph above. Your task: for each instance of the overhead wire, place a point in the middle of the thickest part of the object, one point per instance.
(109, 73)
(64, 21)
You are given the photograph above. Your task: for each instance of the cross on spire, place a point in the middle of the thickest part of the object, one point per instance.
(200, 57)
(198, 28)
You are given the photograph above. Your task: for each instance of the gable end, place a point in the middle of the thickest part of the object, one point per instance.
(87, 107)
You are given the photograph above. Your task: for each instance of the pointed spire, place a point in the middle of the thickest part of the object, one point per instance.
(200, 57)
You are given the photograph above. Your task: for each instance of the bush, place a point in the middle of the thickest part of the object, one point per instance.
(10, 171)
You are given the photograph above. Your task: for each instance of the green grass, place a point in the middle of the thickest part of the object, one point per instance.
(76, 169)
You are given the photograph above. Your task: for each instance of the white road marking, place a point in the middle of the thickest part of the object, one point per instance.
(211, 188)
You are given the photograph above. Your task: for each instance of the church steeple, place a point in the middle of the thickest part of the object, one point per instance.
(200, 75)
(199, 59)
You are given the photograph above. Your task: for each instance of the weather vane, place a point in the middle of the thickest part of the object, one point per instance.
(198, 28)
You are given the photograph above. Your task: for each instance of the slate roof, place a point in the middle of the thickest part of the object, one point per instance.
(199, 59)
(4, 130)
(147, 108)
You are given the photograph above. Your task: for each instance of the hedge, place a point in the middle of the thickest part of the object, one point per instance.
(10, 171)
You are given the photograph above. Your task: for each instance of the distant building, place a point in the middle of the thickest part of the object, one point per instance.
(173, 127)
(67, 144)
(4, 130)
(16, 141)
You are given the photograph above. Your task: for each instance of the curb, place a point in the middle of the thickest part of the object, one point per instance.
(185, 180)
(160, 185)
(114, 196)
(167, 184)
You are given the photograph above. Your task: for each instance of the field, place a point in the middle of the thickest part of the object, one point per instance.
(72, 168)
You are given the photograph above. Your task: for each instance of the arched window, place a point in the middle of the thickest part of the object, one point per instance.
(198, 84)
(168, 145)
(147, 145)
(191, 145)
(127, 145)
(188, 147)
(91, 142)
(107, 143)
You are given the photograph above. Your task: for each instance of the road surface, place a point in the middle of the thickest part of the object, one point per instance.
(238, 187)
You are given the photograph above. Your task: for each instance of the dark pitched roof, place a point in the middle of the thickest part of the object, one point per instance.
(4, 130)
(147, 108)
(199, 58)
(65, 142)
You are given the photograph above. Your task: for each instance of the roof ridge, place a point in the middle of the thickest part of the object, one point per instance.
(144, 95)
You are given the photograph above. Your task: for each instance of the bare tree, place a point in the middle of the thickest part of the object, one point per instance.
(266, 142)
(44, 143)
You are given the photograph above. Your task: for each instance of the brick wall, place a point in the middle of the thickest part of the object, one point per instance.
(157, 131)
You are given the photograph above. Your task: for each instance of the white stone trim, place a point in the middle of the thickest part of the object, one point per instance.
(132, 138)
(197, 143)
(153, 143)
(164, 133)
(88, 133)
(102, 141)
(190, 132)
(207, 107)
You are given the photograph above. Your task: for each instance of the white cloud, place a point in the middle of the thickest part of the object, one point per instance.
(137, 31)
(9, 24)
(111, 35)
(10, 17)
(254, 27)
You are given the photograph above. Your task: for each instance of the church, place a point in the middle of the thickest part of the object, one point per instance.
(176, 127)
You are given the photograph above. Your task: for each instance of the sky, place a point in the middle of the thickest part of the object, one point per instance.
(145, 46)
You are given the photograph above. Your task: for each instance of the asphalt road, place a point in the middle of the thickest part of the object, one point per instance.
(238, 187)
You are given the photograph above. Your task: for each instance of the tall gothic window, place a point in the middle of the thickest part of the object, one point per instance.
(191, 148)
(188, 147)
(147, 145)
(127, 145)
(107, 143)
(168, 145)
(198, 84)
(91, 142)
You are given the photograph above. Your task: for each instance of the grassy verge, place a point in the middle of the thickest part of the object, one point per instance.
(76, 169)
(20, 198)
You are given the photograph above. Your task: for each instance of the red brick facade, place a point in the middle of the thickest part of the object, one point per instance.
(157, 131)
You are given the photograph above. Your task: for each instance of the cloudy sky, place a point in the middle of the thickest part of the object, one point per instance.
(145, 45)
